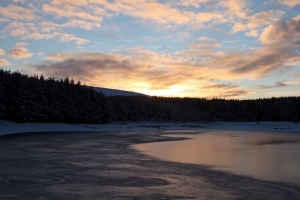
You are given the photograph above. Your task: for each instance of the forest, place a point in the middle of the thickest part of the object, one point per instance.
(26, 98)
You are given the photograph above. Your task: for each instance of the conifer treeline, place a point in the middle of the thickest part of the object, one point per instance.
(25, 98)
(31, 98)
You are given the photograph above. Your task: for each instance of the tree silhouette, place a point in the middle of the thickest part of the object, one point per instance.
(34, 98)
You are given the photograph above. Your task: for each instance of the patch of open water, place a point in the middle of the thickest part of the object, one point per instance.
(271, 156)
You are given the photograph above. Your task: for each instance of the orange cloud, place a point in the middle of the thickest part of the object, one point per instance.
(20, 53)
(24, 30)
(236, 8)
(17, 13)
(253, 64)
(296, 74)
(256, 21)
(44, 30)
(3, 20)
(282, 32)
(21, 44)
(4, 62)
(70, 11)
(277, 85)
(69, 37)
(195, 67)
(279, 42)
(289, 3)
(138, 69)
(48, 27)
(2, 52)
(194, 3)
(264, 18)
(19, 1)
(165, 14)
(295, 82)
(253, 33)
(152, 11)
(239, 27)
(82, 24)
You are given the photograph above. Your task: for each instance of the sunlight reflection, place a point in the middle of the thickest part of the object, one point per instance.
(270, 156)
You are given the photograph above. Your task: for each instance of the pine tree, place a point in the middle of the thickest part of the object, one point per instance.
(2, 98)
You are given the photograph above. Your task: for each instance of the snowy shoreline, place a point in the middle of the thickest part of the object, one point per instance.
(8, 127)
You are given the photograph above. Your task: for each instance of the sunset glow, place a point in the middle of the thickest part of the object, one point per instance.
(186, 48)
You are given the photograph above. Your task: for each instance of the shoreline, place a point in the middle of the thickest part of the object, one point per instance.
(9, 127)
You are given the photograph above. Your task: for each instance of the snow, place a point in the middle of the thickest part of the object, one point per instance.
(8, 127)
(115, 92)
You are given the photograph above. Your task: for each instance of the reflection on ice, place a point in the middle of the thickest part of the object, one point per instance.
(266, 155)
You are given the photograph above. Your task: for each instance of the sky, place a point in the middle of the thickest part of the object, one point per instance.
(233, 49)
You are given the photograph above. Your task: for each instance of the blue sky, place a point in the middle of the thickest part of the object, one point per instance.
(198, 48)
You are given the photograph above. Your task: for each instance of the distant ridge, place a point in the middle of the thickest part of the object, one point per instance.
(115, 92)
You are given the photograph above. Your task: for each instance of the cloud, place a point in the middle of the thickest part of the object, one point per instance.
(149, 38)
(264, 18)
(200, 52)
(277, 85)
(89, 67)
(69, 37)
(80, 56)
(19, 1)
(3, 20)
(252, 33)
(233, 93)
(220, 86)
(257, 20)
(208, 16)
(290, 3)
(21, 44)
(295, 74)
(184, 35)
(167, 14)
(193, 3)
(280, 44)
(40, 54)
(76, 3)
(239, 27)
(236, 8)
(260, 63)
(20, 53)
(17, 13)
(152, 11)
(283, 32)
(82, 24)
(28, 31)
(136, 68)
(48, 27)
(89, 14)
(69, 11)
(2, 52)
(225, 90)
(295, 82)
(4, 62)
(42, 31)
(252, 64)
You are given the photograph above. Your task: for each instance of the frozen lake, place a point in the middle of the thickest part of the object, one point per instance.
(271, 156)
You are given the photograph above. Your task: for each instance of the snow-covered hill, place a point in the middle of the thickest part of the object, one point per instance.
(115, 92)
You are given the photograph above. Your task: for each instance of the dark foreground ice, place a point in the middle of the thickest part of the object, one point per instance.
(103, 165)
